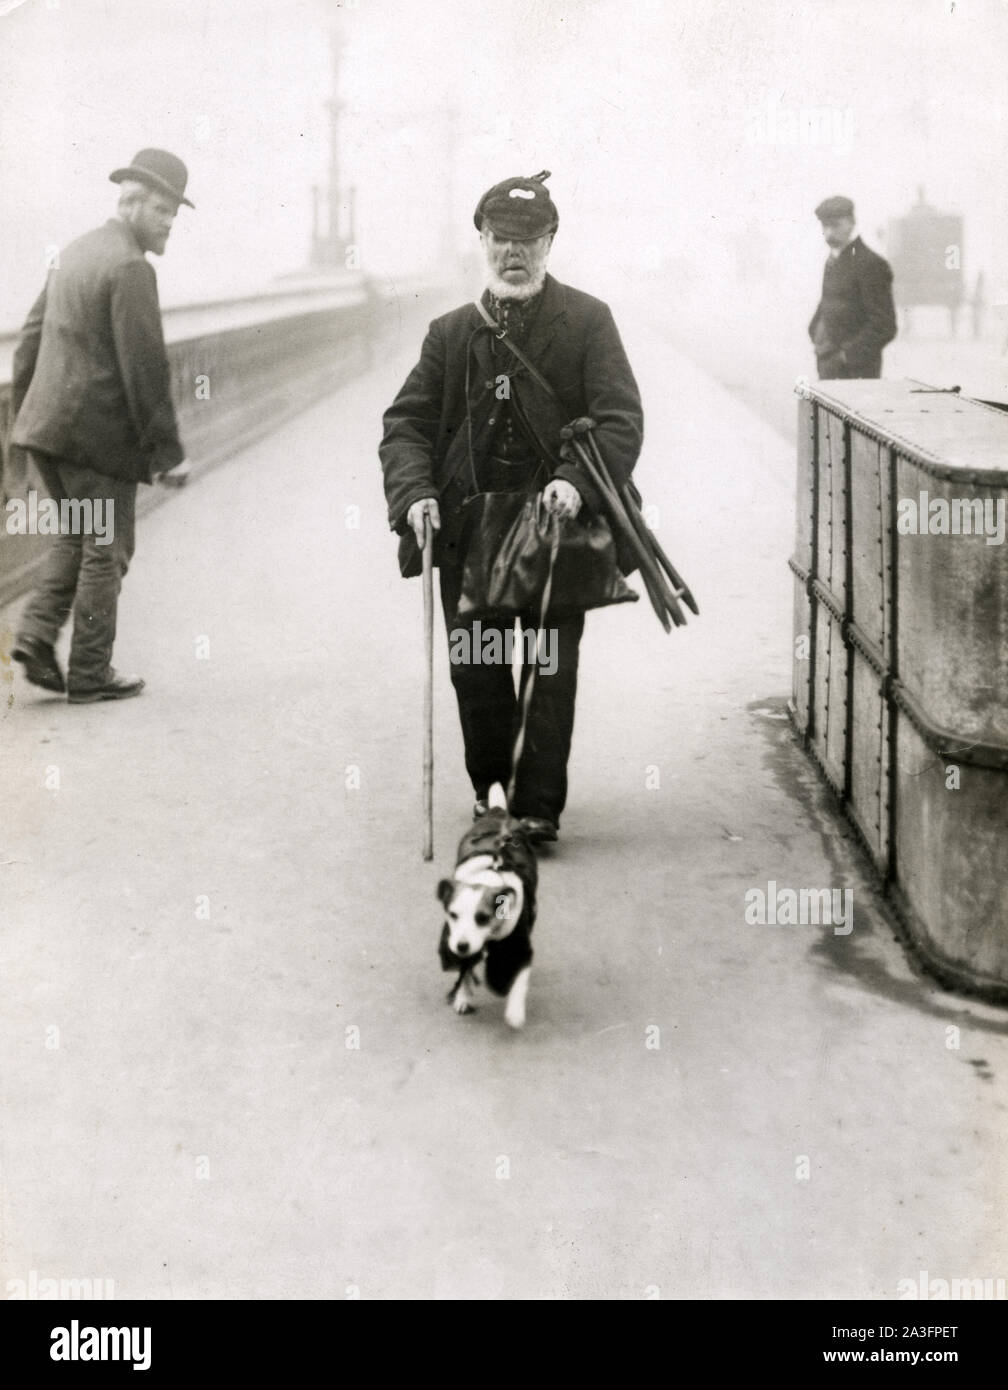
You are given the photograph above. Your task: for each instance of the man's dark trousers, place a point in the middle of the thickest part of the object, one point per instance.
(489, 710)
(83, 576)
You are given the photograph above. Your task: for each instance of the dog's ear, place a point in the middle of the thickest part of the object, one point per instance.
(444, 891)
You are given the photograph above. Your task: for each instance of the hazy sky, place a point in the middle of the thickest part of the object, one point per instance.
(675, 130)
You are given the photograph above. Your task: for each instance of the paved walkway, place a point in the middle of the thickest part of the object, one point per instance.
(226, 1064)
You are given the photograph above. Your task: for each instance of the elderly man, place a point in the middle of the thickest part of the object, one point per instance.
(856, 316)
(470, 419)
(93, 408)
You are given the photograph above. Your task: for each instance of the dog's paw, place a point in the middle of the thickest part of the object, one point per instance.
(514, 1008)
(514, 1014)
(463, 1006)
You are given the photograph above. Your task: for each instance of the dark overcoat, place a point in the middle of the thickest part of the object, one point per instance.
(444, 415)
(856, 316)
(90, 380)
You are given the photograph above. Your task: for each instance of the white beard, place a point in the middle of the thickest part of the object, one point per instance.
(504, 289)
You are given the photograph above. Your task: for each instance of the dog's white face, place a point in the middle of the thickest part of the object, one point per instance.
(481, 905)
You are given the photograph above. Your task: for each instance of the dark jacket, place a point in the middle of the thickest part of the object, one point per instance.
(856, 316)
(90, 381)
(429, 428)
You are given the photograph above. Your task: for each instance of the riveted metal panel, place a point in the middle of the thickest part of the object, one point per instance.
(952, 852)
(805, 493)
(869, 758)
(869, 523)
(829, 695)
(801, 657)
(831, 528)
(803, 564)
(953, 595)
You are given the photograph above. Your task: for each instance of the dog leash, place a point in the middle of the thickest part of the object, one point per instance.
(519, 743)
(526, 703)
(469, 968)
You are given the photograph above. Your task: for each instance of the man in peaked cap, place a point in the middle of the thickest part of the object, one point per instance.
(856, 316)
(93, 409)
(471, 418)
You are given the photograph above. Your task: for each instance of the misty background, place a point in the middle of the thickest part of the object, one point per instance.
(688, 143)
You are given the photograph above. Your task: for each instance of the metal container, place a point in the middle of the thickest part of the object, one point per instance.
(900, 684)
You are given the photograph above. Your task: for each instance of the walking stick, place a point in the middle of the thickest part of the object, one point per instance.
(428, 691)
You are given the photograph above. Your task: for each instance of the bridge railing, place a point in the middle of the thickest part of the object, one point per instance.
(900, 680)
(239, 368)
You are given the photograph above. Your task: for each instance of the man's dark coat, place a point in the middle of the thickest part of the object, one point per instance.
(431, 427)
(90, 381)
(856, 317)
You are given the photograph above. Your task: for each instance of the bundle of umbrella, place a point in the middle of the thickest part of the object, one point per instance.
(664, 585)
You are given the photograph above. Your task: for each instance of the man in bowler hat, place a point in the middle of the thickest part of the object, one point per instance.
(856, 316)
(93, 410)
(470, 418)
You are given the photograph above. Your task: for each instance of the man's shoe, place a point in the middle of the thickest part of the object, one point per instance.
(115, 688)
(539, 829)
(40, 665)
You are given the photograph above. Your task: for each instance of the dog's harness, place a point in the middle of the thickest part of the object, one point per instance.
(466, 967)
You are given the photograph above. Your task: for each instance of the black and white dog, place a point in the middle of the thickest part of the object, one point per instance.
(490, 910)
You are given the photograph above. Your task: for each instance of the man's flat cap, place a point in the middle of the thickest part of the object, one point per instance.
(831, 208)
(518, 209)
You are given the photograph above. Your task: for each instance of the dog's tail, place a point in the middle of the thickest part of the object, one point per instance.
(496, 798)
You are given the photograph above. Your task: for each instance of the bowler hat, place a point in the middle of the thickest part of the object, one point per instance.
(831, 208)
(157, 169)
(518, 209)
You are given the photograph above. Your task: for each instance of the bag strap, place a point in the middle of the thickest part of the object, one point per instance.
(536, 375)
(508, 342)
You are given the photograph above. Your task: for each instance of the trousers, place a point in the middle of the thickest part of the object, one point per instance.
(81, 574)
(489, 708)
